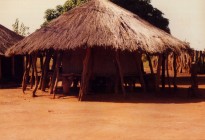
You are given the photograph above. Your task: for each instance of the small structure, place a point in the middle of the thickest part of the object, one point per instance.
(11, 69)
(97, 39)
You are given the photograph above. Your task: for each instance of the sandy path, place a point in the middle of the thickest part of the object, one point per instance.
(42, 118)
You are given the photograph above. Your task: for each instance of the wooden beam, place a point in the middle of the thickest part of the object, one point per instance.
(117, 57)
(85, 75)
(158, 72)
(35, 73)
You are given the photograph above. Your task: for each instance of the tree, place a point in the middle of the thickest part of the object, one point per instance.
(146, 11)
(20, 29)
(51, 14)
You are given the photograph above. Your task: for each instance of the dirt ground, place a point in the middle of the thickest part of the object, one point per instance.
(142, 118)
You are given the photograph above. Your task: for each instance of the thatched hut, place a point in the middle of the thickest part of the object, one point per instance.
(10, 68)
(99, 38)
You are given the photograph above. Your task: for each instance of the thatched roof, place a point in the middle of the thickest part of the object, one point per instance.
(7, 39)
(99, 23)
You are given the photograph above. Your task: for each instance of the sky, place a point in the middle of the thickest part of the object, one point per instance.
(186, 17)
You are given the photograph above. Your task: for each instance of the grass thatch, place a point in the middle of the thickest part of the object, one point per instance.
(7, 39)
(99, 23)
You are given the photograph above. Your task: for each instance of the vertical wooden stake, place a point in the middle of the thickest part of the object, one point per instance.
(120, 72)
(163, 71)
(45, 71)
(57, 69)
(53, 79)
(167, 67)
(175, 71)
(158, 72)
(36, 74)
(0, 69)
(140, 70)
(32, 77)
(85, 75)
(26, 73)
(150, 64)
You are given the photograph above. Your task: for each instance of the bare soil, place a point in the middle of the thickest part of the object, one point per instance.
(163, 116)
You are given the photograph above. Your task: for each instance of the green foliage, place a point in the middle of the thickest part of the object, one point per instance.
(20, 29)
(51, 14)
(146, 11)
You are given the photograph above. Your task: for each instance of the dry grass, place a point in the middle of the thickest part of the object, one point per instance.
(7, 39)
(99, 23)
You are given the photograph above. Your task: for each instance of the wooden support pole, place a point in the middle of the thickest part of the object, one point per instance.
(26, 73)
(140, 70)
(167, 67)
(175, 71)
(35, 73)
(163, 71)
(0, 67)
(53, 79)
(85, 75)
(45, 71)
(158, 72)
(32, 77)
(57, 69)
(150, 64)
(117, 57)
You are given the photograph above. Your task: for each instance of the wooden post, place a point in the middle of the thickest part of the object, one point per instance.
(58, 63)
(0, 68)
(167, 67)
(117, 57)
(163, 71)
(158, 72)
(85, 75)
(53, 79)
(140, 70)
(32, 77)
(175, 71)
(45, 71)
(150, 64)
(36, 74)
(26, 73)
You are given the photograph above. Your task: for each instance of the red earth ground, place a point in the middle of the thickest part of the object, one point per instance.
(165, 116)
